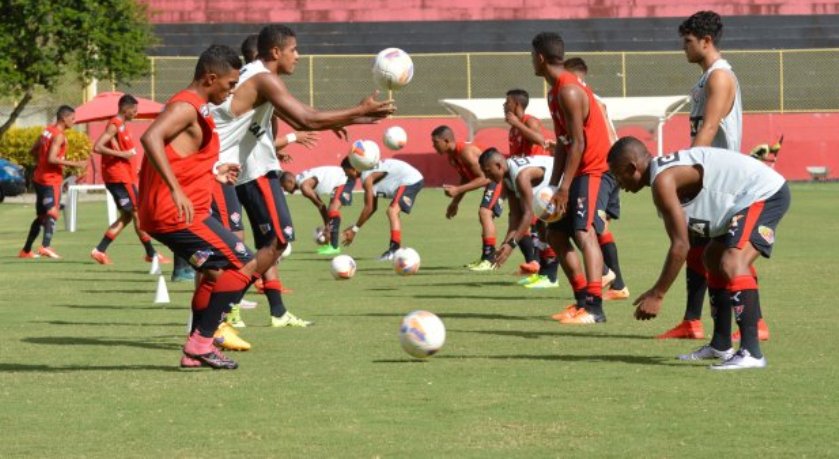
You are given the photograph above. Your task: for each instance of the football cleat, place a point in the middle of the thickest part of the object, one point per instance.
(100, 257)
(48, 252)
(707, 352)
(189, 362)
(613, 294)
(529, 279)
(25, 254)
(687, 329)
(484, 265)
(387, 255)
(762, 332)
(245, 304)
(226, 337)
(160, 259)
(234, 317)
(607, 279)
(566, 313)
(741, 360)
(529, 268)
(327, 249)
(474, 263)
(216, 360)
(289, 320)
(543, 282)
(583, 317)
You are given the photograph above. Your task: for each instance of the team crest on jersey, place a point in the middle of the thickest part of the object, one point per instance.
(264, 228)
(240, 248)
(700, 227)
(767, 233)
(199, 258)
(204, 110)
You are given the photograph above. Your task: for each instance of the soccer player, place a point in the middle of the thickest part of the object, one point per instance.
(730, 199)
(609, 206)
(249, 49)
(245, 126)
(464, 158)
(580, 160)
(117, 148)
(176, 179)
(324, 180)
(49, 150)
(391, 179)
(520, 175)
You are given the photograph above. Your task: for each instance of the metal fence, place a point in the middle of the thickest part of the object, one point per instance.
(771, 80)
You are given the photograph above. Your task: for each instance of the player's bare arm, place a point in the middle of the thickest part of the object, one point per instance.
(178, 126)
(104, 142)
(370, 205)
(227, 173)
(613, 136)
(470, 157)
(721, 91)
(52, 154)
(666, 199)
(574, 107)
(530, 130)
(307, 189)
(513, 225)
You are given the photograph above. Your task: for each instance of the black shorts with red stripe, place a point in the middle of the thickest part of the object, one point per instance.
(582, 211)
(226, 207)
(47, 199)
(125, 195)
(264, 201)
(207, 245)
(492, 198)
(406, 196)
(343, 193)
(757, 223)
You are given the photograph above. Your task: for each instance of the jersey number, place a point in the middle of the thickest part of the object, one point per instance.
(519, 161)
(256, 130)
(667, 159)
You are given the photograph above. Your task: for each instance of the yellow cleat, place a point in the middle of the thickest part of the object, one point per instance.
(227, 337)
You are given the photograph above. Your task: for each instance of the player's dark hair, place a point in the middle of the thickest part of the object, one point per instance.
(442, 132)
(487, 155)
(550, 46)
(520, 95)
(624, 148)
(126, 100)
(63, 111)
(576, 64)
(286, 175)
(249, 51)
(271, 36)
(702, 24)
(218, 59)
(345, 163)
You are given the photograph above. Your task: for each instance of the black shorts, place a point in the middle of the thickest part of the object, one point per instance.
(226, 207)
(405, 196)
(47, 199)
(264, 201)
(343, 193)
(492, 198)
(125, 195)
(582, 207)
(757, 223)
(609, 199)
(207, 245)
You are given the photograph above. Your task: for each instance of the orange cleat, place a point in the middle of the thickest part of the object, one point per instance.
(762, 332)
(160, 259)
(583, 317)
(568, 312)
(687, 329)
(100, 257)
(613, 294)
(529, 268)
(48, 252)
(25, 254)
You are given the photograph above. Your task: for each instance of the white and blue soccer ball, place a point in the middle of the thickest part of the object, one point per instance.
(406, 261)
(392, 69)
(395, 138)
(319, 235)
(422, 334)
(543, 207)
(364, 155)
(343, 267)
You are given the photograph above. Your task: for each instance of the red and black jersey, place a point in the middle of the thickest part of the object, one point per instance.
(520, 145)
(46, 173)
(115, 169)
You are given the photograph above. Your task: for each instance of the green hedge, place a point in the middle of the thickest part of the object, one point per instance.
(17, 142)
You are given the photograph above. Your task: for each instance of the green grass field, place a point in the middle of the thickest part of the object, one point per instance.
(89, 363)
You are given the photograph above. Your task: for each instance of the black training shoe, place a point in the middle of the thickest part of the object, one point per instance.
(216, 360)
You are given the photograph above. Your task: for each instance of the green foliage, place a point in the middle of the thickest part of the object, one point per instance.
(16, 144)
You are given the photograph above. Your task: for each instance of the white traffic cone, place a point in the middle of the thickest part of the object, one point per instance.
(155, 266)
(162, 294)
(189, 323)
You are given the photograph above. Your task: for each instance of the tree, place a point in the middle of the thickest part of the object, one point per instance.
(42, 39)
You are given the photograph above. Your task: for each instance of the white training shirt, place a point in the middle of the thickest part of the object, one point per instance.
(328, 178)
(517, 164)
(397, 173)
(731, 182)
(249, 138)
(730, 132)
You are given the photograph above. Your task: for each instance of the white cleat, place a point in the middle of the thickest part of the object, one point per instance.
(741, 360)
(706, 352)
(245, 304)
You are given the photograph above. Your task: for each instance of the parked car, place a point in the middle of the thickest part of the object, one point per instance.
(12, 180)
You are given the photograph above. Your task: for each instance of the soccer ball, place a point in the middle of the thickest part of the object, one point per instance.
(343, 267)
(364, 155)
(543, 208)
(422, 334)
(319, 235)
(406, 261)
(395, 138)
(393, 69)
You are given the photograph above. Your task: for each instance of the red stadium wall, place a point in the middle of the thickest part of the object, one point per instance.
(809, 140)
(262, 11)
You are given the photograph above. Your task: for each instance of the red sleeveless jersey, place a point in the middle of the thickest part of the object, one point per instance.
(595, 131)
(194, 172)
(456, 160)
(46, 173)
(520, 145)
(114, 169)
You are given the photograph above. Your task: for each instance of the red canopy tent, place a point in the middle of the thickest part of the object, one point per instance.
(104, 107)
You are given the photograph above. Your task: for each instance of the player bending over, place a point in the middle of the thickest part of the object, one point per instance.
(730, 199)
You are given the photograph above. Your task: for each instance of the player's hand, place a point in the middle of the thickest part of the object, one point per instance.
(451, 211)
(308, 139)
(349, 235)
(341, 133)
(648, 305)
(80, 164)
(227, 172)
(377, 108)
(501, 255)
(184, 205)
(550, 144)
(451, 190)
(560, 201)
(511, 119)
